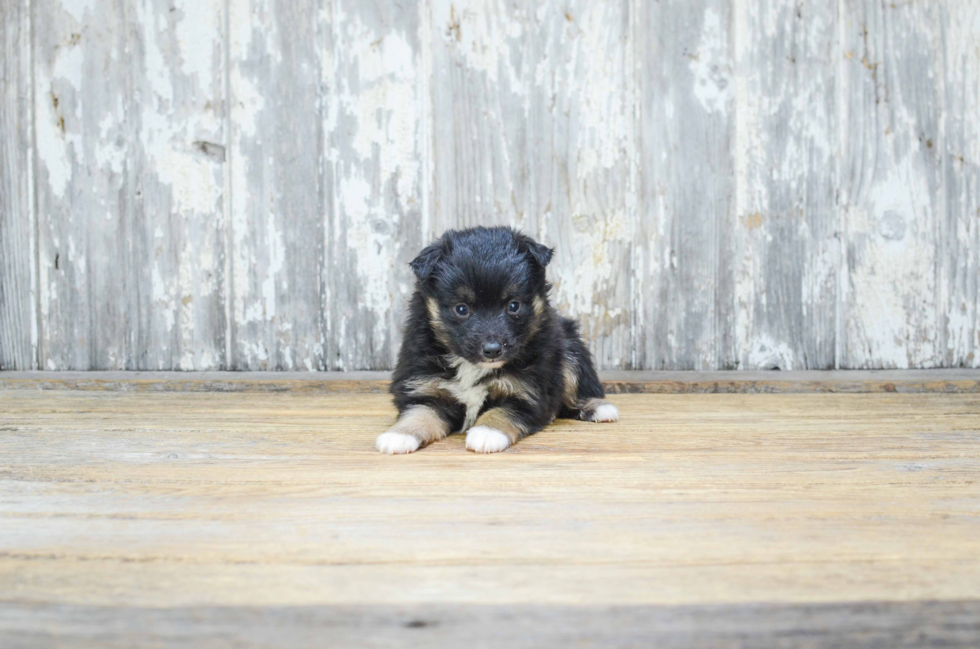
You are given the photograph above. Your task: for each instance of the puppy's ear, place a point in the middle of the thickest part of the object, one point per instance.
(540, 253)
(426, 262)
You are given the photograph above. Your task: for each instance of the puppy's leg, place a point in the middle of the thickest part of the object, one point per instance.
(591, 402)
(585, 399)
(598, 410)
(417, 426)
(495, 430)
(504, 422)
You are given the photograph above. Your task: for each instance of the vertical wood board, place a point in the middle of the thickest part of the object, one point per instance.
(374, 125)
(960, 278)
(178, 117)
(891, 174)
(580, 146)
(785, 228)
(277, 209)
(86, 150)
(479, 113)
(684, 260)
(18, 314)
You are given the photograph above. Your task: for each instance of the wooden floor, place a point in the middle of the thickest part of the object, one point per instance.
(699, 520)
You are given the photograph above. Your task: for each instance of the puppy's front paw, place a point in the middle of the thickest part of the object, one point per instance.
(605, 412)
(394, 443)
(483, 439)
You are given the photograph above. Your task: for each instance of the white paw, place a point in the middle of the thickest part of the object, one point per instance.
(483, 439)
(606, 412)
(394, 443)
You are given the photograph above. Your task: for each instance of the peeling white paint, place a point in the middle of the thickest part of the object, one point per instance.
(384, 107)
(894, 280)
(191, 179)
(711, 65)
(580, 113)
(785, 260)
(526, 115)
(474, 29)
(200, 21)
(596, 63)
(961, 266)
(769, 354)
(52, 149)
(373, 121)
(247, 102)
(593, 268)
(79, 8)
(276, 250)
(57, 140)
(895, 301)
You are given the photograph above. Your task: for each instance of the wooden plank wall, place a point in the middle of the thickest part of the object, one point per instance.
(239, 184)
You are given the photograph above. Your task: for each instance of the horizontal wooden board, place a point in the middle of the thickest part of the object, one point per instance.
(871, 625)
(615, 382)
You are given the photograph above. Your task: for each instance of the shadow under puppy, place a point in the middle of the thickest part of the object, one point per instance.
(483, 349)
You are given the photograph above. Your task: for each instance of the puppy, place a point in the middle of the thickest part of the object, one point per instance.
(484, 352)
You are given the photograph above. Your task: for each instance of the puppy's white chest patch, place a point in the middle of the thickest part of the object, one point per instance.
(467, 390)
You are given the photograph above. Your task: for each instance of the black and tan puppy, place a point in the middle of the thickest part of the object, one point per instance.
(484, 351)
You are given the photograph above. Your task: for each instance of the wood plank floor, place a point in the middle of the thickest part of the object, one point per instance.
(265, 519)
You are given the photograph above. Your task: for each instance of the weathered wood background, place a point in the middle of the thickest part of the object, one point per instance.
(238, 184)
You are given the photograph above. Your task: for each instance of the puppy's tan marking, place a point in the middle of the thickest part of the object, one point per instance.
(538, 307)
(432, 305)
(435, 319)
(538, 304)
(466, 294)
(500, 419)
(416, 427)
(423, 423)
(427, 387)
(510, 386)
(569, 372)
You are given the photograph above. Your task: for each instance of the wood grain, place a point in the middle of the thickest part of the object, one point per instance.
(89, 239)
(128, 502)
(374, 113)
(960, 263)
(130, 133)
(480, 76)
(580, 127)
(785, 234)
(891, 172)
(685, 257)
(277, 211)
(179, 109)
(897, 625)
(18, 290)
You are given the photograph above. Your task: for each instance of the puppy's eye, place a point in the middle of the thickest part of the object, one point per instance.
(462, 310)
(514, 307)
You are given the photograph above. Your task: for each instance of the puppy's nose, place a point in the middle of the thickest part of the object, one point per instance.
(491, 350)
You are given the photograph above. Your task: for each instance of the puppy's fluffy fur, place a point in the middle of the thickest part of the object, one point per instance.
(484, 352)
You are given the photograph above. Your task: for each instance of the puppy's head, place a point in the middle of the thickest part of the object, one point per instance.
(485, 291)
